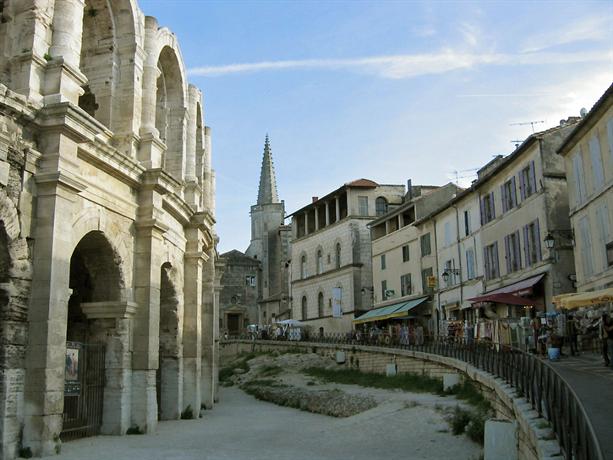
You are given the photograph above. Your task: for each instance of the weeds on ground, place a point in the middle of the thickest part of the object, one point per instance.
(468, 392)
(470, 421)
(408, 382)
(270, 371)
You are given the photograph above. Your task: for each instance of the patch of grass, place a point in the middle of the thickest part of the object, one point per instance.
(468, 392)
(544, 424)
(470, 421)
(270, 370)
(459, 420)
(262, 383)
(311, 383)
(407, 382)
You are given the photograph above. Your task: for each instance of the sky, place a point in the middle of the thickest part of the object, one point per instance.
(385, 90)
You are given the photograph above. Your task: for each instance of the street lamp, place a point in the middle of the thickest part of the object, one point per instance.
(550, 241)
(448, 272)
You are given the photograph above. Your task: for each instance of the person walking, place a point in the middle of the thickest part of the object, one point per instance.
(602, 336)
(571, 334)
(608, 328)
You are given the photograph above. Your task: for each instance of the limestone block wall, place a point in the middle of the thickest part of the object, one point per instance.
(534, 442)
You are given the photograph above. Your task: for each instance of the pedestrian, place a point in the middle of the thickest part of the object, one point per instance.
(607, 333)
(571, 334)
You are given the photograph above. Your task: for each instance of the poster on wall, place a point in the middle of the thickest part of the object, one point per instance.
(72, 384)
(337, 310)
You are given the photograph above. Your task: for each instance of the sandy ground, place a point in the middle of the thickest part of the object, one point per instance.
(402, 426)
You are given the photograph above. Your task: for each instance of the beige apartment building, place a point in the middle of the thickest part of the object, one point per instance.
(331, 277)
(404, 258)
(523, 198)
(588, 156)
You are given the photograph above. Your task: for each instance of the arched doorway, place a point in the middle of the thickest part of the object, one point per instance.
(170, 367)
(96, 284)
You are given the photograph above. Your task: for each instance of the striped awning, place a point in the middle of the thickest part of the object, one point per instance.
(583, 299)
(396, 310)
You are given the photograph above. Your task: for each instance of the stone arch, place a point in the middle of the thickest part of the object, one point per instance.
(319, 260)
(320, 304)
(304, 307)
(381, 206)
(170, 368)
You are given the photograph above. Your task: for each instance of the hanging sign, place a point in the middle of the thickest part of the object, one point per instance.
(72, 384)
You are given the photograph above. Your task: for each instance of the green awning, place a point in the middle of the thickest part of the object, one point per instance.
(389, 311)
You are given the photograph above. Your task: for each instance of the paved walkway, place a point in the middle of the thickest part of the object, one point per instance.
(242, 428)
(593, 384)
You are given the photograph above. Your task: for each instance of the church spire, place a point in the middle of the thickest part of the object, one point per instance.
(267, 193)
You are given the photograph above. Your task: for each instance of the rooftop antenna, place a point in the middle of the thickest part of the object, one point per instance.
(463, 176)
(531, 123)
(516, 142)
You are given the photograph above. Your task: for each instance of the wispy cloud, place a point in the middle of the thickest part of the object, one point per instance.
(407, 65)
(594, 28)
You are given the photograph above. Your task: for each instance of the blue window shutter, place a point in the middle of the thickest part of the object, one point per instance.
(522, 186)
(532, 177)
(482, 209)
(513, 191)
(496, 261)
(538, 240)
(507, 252)
(493, 205)
(504, 198)
(486, 264)
(527, 245)
(517, 249)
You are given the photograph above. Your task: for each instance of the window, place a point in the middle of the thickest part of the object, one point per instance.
(338, 255)
(586, 246)
(383, 289)
(320, 304)
(610, 138)
(527, 181)
(448, 237)
(470, 264)
(467, 222)
(406, 255)
(450, 281)
(304, 307)
(488, 210)
(320, 262)
(597, 169)
(250, 280)
(425, 275)
(426, 250)
(532, 243)
(363, 205)
(579, 177)
(604, 237)
(509, 195)
(302, 267)
(383, 262)
(490, 259)
(381, 206)
(405, 284)
(512, 252)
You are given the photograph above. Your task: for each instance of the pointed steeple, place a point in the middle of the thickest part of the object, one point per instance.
(267, 193)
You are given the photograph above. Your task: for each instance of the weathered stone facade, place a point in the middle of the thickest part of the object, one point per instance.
(238, 302)
(106, 221)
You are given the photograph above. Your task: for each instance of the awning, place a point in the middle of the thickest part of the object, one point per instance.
(390, 311)
(511, 294)
(584, 299)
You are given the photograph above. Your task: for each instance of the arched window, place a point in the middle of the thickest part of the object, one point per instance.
(303, 267)
(304, 307)
(320, 304)
(381, 206)
(338, 255)
(320, 262)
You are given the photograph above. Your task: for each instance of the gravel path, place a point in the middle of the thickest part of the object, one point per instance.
(241, 427)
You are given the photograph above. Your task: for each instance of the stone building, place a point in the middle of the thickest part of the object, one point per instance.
(404, 256)
(588, 156)
(331, 276)
(238, 303)
(107, 243)
(270, 242)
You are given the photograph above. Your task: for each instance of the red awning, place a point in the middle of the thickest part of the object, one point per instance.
(510, 299)
(511, 294)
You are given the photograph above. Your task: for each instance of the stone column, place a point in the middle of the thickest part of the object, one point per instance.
(147, 265)
(208, 330)
(327, 213)
(63, 80)
(111, 323)
(306, 223)
(192, 324)
(219, 269)
(57, 189)
(192, 187)
(316, 219)
(337, 203)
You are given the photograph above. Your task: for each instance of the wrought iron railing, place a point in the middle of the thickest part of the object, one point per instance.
(531, 376)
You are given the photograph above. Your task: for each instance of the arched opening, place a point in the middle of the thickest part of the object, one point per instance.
(96, 282)
(320, 262)
(320, 304)
(303, 267)
(169, 387)
(98, 60)
(381, 206)
(170, 111)
(304, 307)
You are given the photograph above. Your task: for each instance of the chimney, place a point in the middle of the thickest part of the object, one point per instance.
(410, 189)
(314, 198)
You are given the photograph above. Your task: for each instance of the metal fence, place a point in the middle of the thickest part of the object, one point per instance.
(532, 377)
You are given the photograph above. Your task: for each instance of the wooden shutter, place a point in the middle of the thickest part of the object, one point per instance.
(522, 185)
(507, 252)
(532, 177)
(496, 261)
(503, 195)
(527, 245)
(482, 209)
(492, 205)
(517, 250)
(486, 263)
(537, 241)
(513, 191)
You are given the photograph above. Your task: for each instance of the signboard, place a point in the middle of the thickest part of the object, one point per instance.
(431, 281)
(72, 384)
(337, 310)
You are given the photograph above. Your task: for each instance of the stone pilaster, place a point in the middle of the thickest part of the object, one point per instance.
(208, 330)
